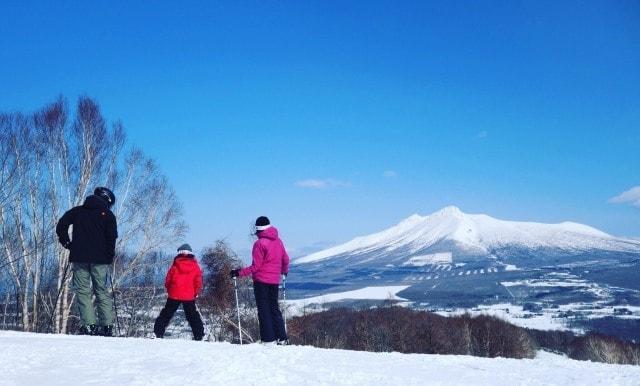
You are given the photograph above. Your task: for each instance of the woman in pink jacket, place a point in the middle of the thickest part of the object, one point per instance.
(270, 261)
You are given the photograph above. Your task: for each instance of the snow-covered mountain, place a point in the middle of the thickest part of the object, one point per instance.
(450, 235)
(451, 261)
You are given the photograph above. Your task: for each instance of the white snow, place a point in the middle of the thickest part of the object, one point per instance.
(422, 260)
(596, 310)
(476, 234)
(297, 306)
(548, 318)
(513, 314)
(39, 359)
(548, 283)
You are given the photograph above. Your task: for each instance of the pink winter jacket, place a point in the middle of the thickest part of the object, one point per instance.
(270, 259)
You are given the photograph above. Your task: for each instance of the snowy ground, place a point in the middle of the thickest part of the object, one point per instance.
(297, 306)
(546, 319)
(37, 359)
(513, 314)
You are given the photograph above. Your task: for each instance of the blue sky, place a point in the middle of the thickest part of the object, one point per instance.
(338, 118)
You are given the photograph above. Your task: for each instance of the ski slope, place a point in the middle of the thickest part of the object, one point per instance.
(39, 359)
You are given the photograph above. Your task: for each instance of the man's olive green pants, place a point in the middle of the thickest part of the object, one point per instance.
(89, 280)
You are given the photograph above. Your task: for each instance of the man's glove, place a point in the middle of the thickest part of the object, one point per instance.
(235, 272)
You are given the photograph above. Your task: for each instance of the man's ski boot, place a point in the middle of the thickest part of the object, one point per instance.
(283, 342)
(91, 329)
(106, 330)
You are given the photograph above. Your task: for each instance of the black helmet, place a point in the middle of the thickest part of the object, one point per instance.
(105, 194)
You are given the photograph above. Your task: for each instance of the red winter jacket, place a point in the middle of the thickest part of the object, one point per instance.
(184, 279)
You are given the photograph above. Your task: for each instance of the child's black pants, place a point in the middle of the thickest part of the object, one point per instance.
(190, 311)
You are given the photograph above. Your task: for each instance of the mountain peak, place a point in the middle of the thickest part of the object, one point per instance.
(449, 211)
(414, 218)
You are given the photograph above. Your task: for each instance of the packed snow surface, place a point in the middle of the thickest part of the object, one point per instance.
(39, 359)
(476, 234)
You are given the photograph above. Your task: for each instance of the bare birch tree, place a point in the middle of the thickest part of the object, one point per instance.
(48, 164)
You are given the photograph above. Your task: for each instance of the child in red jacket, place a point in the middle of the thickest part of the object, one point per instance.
(183, 283)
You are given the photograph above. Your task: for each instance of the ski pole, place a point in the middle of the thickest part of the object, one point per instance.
(284, 300)
(115, 304)
(235, 287)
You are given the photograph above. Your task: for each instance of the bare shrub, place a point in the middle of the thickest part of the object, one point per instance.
(602, 348)
(554, 341)
(409, 331)
(493, 337)
(218, 299)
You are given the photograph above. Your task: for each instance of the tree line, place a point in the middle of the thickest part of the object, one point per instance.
(400, 329)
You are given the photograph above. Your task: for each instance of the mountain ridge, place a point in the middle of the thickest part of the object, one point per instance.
(450, 230)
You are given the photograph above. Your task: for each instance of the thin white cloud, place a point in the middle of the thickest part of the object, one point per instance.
(631, 196)
(327, 183)
(389, 174)
(482, 135)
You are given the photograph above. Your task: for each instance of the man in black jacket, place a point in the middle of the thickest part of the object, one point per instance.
(92, 248)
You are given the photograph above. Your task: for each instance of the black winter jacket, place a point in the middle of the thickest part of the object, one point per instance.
(94, 232)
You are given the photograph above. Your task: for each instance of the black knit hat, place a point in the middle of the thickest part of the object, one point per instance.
(184, 248)
(262, 223)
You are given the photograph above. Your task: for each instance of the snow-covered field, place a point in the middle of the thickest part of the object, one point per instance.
(546, 319)
(513, 314)
(38, 359)
(297, 306)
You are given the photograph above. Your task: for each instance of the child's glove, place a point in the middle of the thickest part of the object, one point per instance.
(235, 272)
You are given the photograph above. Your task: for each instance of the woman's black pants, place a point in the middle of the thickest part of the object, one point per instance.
(269, 315)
